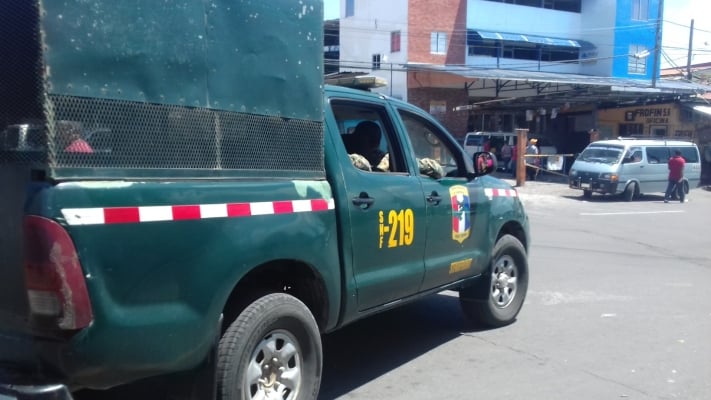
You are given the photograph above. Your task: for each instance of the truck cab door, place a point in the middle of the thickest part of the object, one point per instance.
(457, 209)
(383, 209)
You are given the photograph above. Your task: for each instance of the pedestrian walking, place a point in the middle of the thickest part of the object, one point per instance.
(676, 165)
(506, 156)
(532, 149)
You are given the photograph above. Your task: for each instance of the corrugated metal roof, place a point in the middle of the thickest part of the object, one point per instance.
(518, 89)
(572, 79)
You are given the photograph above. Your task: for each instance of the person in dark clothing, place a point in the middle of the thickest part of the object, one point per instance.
(368, 134)
(676, 175)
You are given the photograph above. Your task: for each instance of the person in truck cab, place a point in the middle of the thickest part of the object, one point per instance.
(368, 135)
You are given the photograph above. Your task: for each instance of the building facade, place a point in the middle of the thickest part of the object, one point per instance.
(551, 66)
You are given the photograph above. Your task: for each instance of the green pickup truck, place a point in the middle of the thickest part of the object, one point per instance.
(184, 197)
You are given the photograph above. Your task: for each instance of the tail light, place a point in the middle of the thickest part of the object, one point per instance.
(55, 281)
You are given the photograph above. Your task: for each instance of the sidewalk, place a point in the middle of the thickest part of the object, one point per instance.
(546, 184)
(552, 185)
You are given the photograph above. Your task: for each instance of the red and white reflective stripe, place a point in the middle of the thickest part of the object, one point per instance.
(500, 193)
(133, 215)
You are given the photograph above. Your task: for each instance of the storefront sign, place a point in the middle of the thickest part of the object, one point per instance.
(649, 115)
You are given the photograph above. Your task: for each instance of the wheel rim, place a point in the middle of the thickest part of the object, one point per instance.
(275, 367)
(504, 278)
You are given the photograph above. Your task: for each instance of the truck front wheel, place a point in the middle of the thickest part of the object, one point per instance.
(271, 351)
(498, 298)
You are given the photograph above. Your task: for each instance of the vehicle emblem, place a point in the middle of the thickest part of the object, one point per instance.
(461, 219)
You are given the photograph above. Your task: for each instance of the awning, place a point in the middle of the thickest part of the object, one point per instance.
(520, 89)
(512, 37)
(517, 37)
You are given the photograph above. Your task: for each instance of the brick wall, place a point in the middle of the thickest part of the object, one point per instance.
(454, 121)
(427, 16)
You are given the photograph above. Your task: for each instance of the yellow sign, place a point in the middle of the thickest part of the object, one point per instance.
(459, 266)
(399, 229)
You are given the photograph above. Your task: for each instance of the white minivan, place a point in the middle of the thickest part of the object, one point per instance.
(474, 142)
(632, 167)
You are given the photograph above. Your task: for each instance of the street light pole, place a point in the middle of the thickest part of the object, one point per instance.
(691, 44)
(658, 43)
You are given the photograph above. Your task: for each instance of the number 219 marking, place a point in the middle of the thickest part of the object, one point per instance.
(399, 228)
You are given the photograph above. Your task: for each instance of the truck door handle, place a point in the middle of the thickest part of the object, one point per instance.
(363, 200)
(434, 198)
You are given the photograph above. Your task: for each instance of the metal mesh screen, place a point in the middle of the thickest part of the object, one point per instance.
(91, 137)
(128, 135)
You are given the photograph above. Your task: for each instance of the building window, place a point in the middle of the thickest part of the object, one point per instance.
(394, 41)
(438, 43)
(640, 10)
(350, 8)
(483, 47)
(658, 130)
(631, 129)
(438, 107)
(376, 61)
(637, 62)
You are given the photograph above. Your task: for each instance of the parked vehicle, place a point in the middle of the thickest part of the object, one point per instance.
(475, 142)
(221, 227)
(632, 167)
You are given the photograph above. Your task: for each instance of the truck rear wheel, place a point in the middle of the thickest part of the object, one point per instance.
(499, 298)
(272, 350)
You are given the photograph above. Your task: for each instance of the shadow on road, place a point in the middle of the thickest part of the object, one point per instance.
(610, 198)
(354, 355)
(368, 349)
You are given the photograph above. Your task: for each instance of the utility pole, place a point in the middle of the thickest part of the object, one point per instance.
(658, 43)
(691, 45)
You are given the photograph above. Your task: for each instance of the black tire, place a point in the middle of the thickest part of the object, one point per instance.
(498, 299)
(282, 325)
(630, 192)
(587, 194)
(685, 187)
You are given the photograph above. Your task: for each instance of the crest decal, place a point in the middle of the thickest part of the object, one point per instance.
(461, 220)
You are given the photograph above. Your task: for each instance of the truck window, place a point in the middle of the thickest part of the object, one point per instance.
(368, 136)
(429, 142)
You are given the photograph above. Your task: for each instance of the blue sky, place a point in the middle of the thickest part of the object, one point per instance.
(676, 31)
(331, 9)
(677, 16)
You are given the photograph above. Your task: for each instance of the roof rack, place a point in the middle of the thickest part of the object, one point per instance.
(660, 138)
(363, 82)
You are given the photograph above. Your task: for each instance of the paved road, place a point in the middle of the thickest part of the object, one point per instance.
(619, 307)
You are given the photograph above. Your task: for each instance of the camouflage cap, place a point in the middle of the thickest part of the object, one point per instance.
(360, 162)
(430, 168)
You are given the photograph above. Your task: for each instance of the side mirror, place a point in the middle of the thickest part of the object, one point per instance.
(484, 163)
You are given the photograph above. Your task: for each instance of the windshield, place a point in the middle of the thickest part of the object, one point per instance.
(605, 155)
(474, 140)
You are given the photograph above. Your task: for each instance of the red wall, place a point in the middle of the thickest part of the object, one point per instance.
(454, 121)
(427, 16)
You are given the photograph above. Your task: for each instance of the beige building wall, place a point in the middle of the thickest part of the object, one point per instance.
(668, 120)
